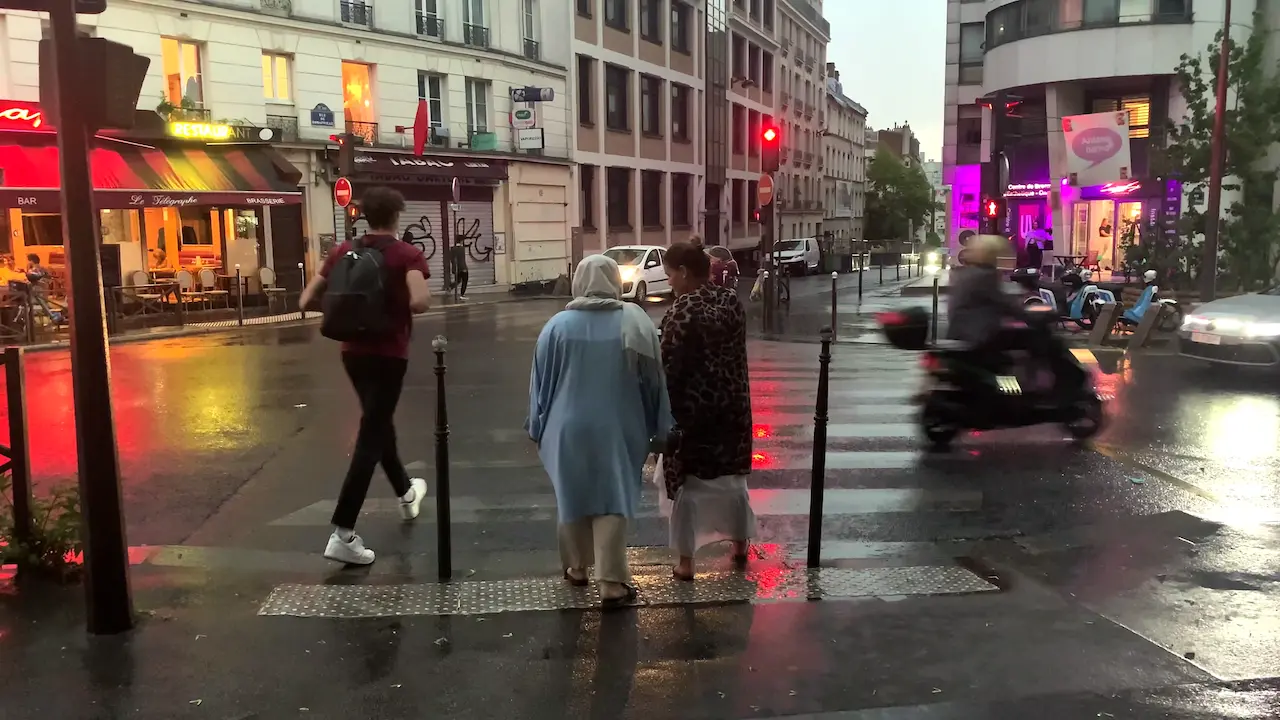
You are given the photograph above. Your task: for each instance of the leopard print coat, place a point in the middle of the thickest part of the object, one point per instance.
(704, 354)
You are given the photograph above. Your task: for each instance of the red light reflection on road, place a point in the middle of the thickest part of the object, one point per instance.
(761, 432)
(761, 461)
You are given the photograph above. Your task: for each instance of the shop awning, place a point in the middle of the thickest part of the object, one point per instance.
(126, 176)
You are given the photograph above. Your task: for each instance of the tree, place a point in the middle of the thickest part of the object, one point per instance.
(1249, 240)
(900, 198)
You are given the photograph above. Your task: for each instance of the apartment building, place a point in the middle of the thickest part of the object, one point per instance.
(801, 108)
(844, 183)
(299, 72)
(899, 140)
(752, 93)
(638, 73)
(938, 218)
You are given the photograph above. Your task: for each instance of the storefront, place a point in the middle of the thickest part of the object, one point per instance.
(1108, 217)
(430, 214)
(172, 197)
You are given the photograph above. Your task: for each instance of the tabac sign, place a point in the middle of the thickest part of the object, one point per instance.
(21, 116)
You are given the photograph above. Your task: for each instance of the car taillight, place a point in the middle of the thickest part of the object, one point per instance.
(929, 362)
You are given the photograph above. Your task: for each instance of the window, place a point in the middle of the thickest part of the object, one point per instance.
(1101, 12)
(680, 112)
(739, 56)
(739, 202)
(651, 199)
(1138, 107)
(619, 198)
(753, 133)
(183, 85)
(680, 196)
(431, 89)
(766, 72)
(739, 130)
(477, 106)
(617, 91)
(587, 195)
(275, 77)
(753, 63)
(768, 14)
(972, 37)
(357, 93)
(651, 105)
(529, 23)
(584, 8)
(651, 20)
(680, 27)
(473, 12)
(586, 83)
(615, 15)
(429, 20)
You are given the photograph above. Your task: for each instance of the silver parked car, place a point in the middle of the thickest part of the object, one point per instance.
(1240, 330)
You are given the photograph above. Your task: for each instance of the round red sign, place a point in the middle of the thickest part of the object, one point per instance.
(342, 192)
(764, 191)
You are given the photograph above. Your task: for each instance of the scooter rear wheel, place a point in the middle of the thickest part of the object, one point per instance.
(1089, 418)
(939, 429)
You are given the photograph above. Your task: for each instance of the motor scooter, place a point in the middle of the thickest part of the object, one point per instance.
(1171, 314)
(1075, 299)
(968, 392)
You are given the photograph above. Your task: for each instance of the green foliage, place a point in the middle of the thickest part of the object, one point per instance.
(899, 198)
(55, 530)
(1249, 243)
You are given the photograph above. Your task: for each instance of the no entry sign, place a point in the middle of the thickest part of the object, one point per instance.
(764, 190)
(342, 192)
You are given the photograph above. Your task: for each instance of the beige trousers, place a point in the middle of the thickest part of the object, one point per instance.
(600, 541)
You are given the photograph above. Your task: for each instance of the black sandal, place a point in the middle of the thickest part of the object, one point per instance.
(622, 600)
(576, 582)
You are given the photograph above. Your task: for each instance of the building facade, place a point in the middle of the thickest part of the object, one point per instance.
(1075, 59)
(801, 111)
(752, 93)
(938, 217)
(306, 71)
(844, 183)
(638, 84)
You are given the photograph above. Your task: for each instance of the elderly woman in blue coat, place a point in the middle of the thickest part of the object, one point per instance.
(597, 400)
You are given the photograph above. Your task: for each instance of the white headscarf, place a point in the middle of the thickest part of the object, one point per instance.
(597, 285)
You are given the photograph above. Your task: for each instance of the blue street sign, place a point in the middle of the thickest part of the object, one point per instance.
(321, 116)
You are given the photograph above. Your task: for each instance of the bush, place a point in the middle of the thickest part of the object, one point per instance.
(55, 544)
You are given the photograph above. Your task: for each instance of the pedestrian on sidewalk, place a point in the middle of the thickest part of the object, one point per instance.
(707, 457)
(383, 281)
(596, 401)
(458, 264)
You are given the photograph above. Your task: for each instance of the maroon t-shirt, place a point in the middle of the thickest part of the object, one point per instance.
(400, 257)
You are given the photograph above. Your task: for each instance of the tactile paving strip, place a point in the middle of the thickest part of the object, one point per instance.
(656, 589)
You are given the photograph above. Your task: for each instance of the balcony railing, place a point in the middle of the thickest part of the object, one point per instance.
(811, 14)
(475, 35)
(786, 100)
(808, 61)
(808, 110)
(532, 49)
(197, 115)
(286, 124)
(799, 58)
(356, 13)
(1012, 22)
(786, 46)
(366, 131)
(431, 25)
(281, 8)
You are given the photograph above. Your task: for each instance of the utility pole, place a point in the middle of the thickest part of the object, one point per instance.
(1209, 261)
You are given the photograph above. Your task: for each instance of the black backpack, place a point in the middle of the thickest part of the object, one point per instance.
(355, 300)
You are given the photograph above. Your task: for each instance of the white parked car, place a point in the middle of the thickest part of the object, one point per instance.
(797, 257)
(642, 271)
(1240, 330)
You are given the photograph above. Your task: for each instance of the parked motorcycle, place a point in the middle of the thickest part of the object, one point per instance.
(967, 393)
(1075, 299)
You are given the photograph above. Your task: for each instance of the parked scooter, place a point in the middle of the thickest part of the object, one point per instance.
(1171, 314)
(1076, 299)
(968, 393)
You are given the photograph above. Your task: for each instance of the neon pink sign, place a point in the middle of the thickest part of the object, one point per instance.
(1120, 188)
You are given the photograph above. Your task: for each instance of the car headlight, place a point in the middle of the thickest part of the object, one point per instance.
(1263, 330)
(628, 273)
(1195, 322)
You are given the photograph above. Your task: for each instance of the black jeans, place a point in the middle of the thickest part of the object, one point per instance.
(460, 278)
(377, 380)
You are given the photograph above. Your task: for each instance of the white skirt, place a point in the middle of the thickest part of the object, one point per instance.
(706, 511)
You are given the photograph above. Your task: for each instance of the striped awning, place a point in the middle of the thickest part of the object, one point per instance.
(126, 175)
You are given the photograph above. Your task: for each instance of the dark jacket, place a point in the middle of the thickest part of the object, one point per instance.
(977, 304)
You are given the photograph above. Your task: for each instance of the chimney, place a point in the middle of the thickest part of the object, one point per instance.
(831, 70)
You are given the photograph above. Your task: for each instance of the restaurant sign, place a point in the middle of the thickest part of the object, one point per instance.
(49, 200)
(22, 116)
(447, 168)
(212, 132)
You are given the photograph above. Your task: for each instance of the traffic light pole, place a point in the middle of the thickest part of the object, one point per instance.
(108, 601)
(347, 167)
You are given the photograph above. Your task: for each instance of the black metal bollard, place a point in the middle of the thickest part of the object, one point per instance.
(17, 454)
(444, 530)
(239, 297)
(881, 269)
(897, 269)
(302, 274)
(834, 324)
(861, 268)
(818, 481)
(934, 331)
(31, 315)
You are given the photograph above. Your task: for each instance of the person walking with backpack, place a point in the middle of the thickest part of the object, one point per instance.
(368, 291)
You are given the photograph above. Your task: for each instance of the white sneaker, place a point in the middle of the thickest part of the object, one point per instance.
(352, 552)
(409, 510)
(462, 297)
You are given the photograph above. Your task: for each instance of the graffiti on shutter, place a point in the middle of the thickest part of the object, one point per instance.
(424, 227)
(473, 226)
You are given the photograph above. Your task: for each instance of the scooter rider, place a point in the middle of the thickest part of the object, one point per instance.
(992, 322)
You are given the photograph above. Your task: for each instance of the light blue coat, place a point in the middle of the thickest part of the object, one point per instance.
(593, 414)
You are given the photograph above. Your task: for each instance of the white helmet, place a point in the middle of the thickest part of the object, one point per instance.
(1149, 276)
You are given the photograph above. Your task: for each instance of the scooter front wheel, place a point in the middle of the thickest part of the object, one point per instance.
(1089, 418)
(938, 429)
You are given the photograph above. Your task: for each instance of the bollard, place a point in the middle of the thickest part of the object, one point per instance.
(897, 269)
(302, 273)
(861, 268)
(444, 537)
(239, 297)
(882, 271)
(933, 333)
(817, 482)
(17, 453)
(834, 325)
(766, 318)
(31, 315)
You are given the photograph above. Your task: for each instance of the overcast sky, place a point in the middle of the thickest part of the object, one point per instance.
(891, 55)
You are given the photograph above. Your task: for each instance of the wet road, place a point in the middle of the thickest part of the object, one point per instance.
(1135, 579)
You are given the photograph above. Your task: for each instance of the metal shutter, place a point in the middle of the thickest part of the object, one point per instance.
(474, 221)
(424, 223)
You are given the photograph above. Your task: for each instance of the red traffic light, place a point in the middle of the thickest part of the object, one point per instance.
(991, 208)
(770, 134)
(336, 139)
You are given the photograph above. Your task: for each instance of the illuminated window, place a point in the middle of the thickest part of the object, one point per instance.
(275, 77)
(1139, 108)
(357, 92)
(181, 65)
